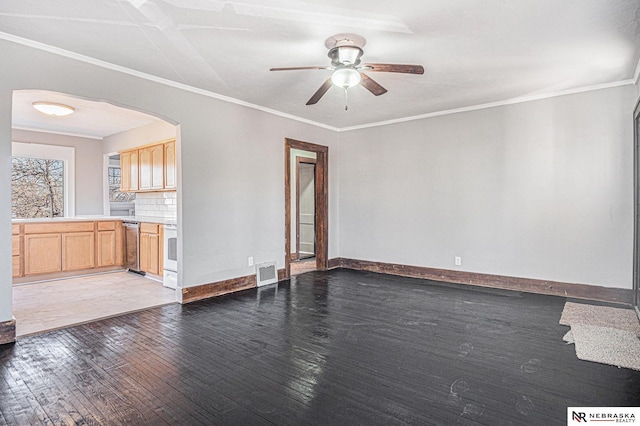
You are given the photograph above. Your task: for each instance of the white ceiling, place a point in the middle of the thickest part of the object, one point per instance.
(474, 51)
(90, 119)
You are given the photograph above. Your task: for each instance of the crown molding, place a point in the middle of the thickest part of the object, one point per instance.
(492, 105)
(54, 132)
(185, 87)
(113, 67)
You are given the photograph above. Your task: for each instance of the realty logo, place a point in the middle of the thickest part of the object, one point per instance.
(579, 416)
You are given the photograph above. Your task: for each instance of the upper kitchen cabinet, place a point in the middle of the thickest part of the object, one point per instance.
(149, 168)
(170, 165)
(129, 171)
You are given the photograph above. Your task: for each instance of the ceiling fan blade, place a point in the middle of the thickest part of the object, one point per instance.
(300, 68)
(407, 69)
(320, 92)
(371, 85)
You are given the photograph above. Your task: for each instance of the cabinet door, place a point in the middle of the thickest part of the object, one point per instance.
(134, 171)
(150, 253)
(106, 248)
(146, 168)
(125, 171)
(144, 252)
(129, 171)
(15, 253)
(78, 251)
(170, 165)
(157, 166)
(16, 267)
(42, 253)
(154, 254)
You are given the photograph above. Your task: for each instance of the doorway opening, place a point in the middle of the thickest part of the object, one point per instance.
(70, 270)
(306, 212)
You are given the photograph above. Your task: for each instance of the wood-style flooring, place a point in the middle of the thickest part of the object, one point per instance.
(60, 303)
(325, 348)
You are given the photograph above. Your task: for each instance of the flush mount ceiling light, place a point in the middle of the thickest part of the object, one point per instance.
(53, 109)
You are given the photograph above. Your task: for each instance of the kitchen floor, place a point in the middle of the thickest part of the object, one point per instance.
(61, 303)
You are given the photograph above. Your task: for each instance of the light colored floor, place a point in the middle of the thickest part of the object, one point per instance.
(61, 303)
(302, 266)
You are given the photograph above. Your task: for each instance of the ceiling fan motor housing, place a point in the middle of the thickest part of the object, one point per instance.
(345, 56)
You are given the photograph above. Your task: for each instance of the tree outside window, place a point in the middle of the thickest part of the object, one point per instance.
(37, 187)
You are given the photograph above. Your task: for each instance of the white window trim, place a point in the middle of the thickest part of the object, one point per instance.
(54, 152)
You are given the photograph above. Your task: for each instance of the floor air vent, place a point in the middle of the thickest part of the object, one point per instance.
(266, 273)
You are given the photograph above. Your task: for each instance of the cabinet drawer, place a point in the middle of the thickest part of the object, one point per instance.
(46, 228)
(15, 229)
(107, 226)
(15, 245)
(149, 228)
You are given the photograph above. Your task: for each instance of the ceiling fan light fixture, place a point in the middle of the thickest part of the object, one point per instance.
(346, 77)
(53, 109)
(349, 55)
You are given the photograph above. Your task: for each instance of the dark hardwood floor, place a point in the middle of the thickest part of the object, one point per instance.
(328, 348)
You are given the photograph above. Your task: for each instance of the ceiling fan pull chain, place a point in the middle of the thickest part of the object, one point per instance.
(346, 99)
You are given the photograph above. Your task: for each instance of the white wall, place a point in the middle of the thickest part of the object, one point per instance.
(231, 202)
(88, 166)
(540, 190)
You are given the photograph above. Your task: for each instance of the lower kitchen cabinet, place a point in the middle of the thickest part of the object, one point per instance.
(107, 239)
(56, 247)
(42, 253)
(106, 248)
(16, 251)
(150, 248)
(78, 251)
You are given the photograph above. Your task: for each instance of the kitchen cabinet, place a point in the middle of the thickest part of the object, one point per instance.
(16, 251)
(55, 247)
(106, 244)
(149, 168)
(150, 248)
(170, 165)
(42, 253)
(78, 251)
(129, 164)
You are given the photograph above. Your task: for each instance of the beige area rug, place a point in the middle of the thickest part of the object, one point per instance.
(603, 334)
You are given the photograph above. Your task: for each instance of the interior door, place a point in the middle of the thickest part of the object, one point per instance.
(306, 209)
(636, 208)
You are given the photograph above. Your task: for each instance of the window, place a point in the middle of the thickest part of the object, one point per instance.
(115, 196)
(37, 187)
(42, 180)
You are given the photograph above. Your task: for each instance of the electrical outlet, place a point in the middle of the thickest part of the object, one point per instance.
(457, 260)
(250, 261)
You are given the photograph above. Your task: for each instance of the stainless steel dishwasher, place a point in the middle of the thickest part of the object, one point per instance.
(131, 247)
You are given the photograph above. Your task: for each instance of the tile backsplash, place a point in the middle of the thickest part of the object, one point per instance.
(157, 204)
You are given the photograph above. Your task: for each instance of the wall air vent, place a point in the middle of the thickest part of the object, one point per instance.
(266, 273)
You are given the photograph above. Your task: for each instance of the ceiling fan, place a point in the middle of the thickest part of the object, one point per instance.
(345, 51)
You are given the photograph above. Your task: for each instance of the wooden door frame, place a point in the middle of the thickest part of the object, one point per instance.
(322, 202)
(305, 160)
(636, 212)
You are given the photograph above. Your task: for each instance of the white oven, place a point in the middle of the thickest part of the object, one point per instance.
(170, 274)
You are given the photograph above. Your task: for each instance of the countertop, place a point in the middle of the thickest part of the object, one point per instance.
(86, 218)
